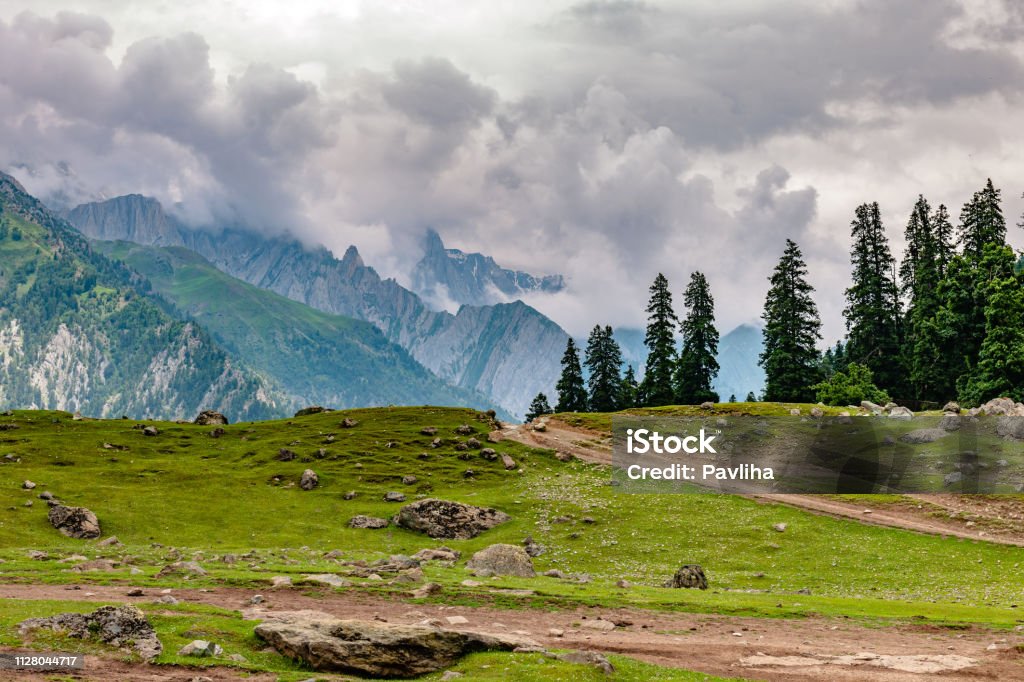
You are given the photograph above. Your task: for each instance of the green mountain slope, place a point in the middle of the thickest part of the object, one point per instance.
(80, 332)
(310, 356)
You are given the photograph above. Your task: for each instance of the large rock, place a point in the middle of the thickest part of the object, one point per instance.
(375, 649)
(315, 409)
(952, 407)
(900, 412)
(211, 418)
(920, 436)
(689, 576)
(119, 626)
(1010, 427)
(75, 522)
(871, 407)
(309, 480)
(449, 520)
(1001, 407)
(362, 521)
(502, 560)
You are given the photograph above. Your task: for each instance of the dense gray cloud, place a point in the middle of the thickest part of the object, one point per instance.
(607, 140)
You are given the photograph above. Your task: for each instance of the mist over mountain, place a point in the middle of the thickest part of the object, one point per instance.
(508, 352)
(446, 277)
(80, 332)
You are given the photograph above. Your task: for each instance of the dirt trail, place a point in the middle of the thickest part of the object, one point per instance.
(750, 648)
(1000, 522)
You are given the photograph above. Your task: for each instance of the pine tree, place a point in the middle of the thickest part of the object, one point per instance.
(732, 398)
(924, 266)
(792, 328)
(572, 394)
(630, 389)
(538, 407)
(657, 386)
(1000, 368)
(982, 222)
(604, 362)
(751, 398)
(948, 343)
(872, 313)
(697, 367)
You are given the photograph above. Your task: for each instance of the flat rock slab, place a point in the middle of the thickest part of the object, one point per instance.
(926, 664)
(372, 648)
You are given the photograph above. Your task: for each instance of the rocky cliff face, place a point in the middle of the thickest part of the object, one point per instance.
(507, 352)
(446, 276)
(79, 332)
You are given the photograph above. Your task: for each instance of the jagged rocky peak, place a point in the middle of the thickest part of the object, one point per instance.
(450, 276)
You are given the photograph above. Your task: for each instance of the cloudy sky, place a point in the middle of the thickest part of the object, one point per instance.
(606, 140)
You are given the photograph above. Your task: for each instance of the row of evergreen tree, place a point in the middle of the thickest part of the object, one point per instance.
(947, 322)
(671, 376)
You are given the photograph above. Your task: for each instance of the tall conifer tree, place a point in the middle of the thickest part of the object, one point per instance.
(1000, 368)
(697, 366)
(982, 222)
(791, 332)
(873, 320)
(572, 393)
(630, 389)
(604, 361)
(657, 386)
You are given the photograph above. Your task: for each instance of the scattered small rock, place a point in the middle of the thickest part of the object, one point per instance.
(309, 480)
(689, 576)
(371, 522)
(394, 497)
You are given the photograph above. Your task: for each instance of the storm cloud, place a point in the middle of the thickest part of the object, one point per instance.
(606, 140)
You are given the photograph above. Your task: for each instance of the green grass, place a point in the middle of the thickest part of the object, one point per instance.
(216, 496)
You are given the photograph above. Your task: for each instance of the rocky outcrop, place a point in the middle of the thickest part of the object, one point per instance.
(119, 626)
(372, 648)
(211, 418)
(689, 576)
(449, 520)
(502, 559)
(75, 522)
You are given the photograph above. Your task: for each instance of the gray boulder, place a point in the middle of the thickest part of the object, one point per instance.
(75, 522)
(118, 626)
(372, 522)
(200, 648)
(309, 480)
(871, 407)
(449, 520)
(375, 649)
(211, 418)
(920, 436)
(502, 559)
(690, 576)
(900, 412)
(951, 422)
(394, 497)
(1010, 427)
(952, 407)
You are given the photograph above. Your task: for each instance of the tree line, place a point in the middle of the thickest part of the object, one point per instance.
(945, 322)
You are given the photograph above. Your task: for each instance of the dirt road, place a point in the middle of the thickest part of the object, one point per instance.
(750, 648)
(970, 517)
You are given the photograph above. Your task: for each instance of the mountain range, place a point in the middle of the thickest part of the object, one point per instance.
(309, 357)
(81, 332)
(507, 352)
(447, 276)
